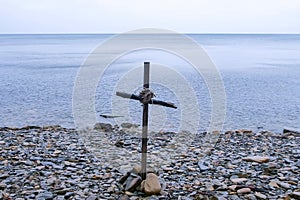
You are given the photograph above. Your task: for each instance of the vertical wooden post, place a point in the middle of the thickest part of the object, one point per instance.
(145, 123)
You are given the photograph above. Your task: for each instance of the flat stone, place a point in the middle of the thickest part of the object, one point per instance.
(238, 180)
(167, 169)
(92, 197)
(273, 184)
(103, 127)
(291, 130)
(62, 191)
(48, 164)
(232, 187)
(3, 176)
(258, 159)
(51, 180)
(284, 185)
(295, 195)
(132, 183)
(69, 194)
(202, 166)
(124, 178)
(60, 197)
(129, 125)
(67, 163)
(260, 195)
(57, 152)
(72, 169)
(244, 191)
(44, 196)
(129, 193)
(2, 186)
(191, 169)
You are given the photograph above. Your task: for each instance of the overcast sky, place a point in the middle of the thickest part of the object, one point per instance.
(117, 16)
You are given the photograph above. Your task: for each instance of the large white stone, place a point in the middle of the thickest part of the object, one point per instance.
(258, 159)
(152, 185)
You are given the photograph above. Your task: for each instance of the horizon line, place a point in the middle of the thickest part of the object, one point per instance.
(103, 33)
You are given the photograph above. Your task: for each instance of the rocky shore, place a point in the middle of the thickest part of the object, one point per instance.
(58, 163)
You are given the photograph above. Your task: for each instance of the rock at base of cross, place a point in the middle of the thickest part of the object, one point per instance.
(132, 182)
(151, 185)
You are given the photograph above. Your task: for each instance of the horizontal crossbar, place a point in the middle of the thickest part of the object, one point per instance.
(153, 101)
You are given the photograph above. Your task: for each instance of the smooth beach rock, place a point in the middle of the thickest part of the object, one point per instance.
(203, 166)
(260, 195)
(258, 159)
(295, 195)
(244, 191)
(284, 185)
(68, 195)
(2, 186)
(152, 185)
(3, 176)
(232, 187)
(167, 169)
(274, 184)
(129, 125)
(103, 127)
(44, 196)
(238, 180)
(245, 131)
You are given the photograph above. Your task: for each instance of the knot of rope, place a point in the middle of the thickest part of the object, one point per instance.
(146, 95)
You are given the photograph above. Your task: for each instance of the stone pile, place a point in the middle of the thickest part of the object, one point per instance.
(132, 182)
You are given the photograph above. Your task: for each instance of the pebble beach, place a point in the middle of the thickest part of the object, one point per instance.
(58, 163)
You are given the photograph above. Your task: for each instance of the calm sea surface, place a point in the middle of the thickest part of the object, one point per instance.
(261, 75)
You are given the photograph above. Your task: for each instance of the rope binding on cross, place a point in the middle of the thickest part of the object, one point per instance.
(146, 95)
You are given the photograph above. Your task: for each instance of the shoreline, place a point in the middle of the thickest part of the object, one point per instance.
(44, 163)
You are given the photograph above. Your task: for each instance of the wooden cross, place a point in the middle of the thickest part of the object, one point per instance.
(145, 97)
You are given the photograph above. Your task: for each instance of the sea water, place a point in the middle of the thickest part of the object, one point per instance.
(260, 73)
